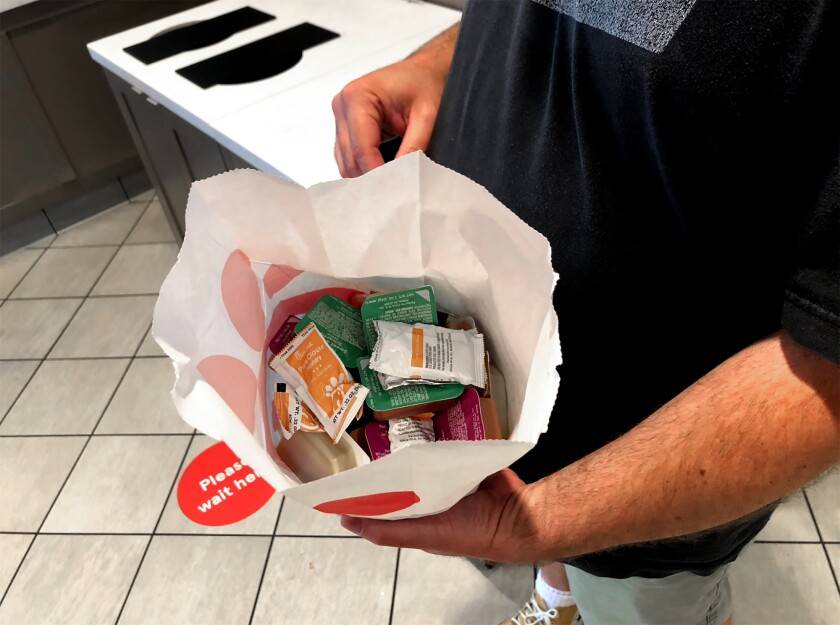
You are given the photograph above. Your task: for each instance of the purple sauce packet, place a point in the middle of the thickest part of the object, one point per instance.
(284, 335)
(376, 435)
(462, 421)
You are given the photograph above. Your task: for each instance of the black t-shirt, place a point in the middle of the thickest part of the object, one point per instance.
(682, 159)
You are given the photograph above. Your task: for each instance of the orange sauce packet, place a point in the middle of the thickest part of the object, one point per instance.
(294, 415)
(317, 375)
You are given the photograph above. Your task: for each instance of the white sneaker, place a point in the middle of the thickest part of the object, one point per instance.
(535, 612)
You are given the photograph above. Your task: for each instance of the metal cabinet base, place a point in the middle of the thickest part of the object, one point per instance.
(174, 153)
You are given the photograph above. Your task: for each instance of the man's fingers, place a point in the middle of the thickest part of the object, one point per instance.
(423, 533)
(342, 142)
(339, 160)
(418, 133)
(364, 129)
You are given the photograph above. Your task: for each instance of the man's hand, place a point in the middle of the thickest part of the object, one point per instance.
(754, 429)
(488, 524)
(398, 100)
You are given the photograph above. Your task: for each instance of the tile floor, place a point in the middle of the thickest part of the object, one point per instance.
(91, 448)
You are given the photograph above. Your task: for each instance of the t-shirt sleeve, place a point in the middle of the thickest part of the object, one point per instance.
(811, 312)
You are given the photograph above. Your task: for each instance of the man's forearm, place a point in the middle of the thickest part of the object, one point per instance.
(759, 426)
(437, 53)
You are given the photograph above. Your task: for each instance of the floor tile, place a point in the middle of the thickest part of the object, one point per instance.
(149, 347)
(109, 228)
(452, 591)
(42, 243)
(29, 328)
(153, 227)
(106, 326)
(144, 198)
(791, 521)
(302, 520)
(142, 404)
(65, 272)
(13, 267)
(323, 581)
(137, 269)
(197, 580)
(65, 397)
(14, 374)
(781, 584)
(119, 485)
(32, 471)
(825, 500)
(12, 546)
(174, 521)
(834, 556)
(73, 579)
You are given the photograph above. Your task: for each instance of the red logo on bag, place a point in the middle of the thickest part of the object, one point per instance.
(219, 489)
(371, 505)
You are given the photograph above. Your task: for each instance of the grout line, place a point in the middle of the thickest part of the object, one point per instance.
(90, 436)
(787, 542)
(137, 223)
(20, 564)
(196, 534)
(40, 364)
(105, 296)
(49, 221)
(819, 533)
(267, 557)
(96, 434)
(170, 242)
(93, 286)
(122, 186)
(27, 272)
(78, 457)
(154, 530)
(17, 397)
(394, 589)
(84, 245)
(73, 358)
(96, 216)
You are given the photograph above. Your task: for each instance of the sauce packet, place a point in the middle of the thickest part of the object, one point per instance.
(294, 415)
(408, 431)
(405, 401)
(472, 418)
(377, 441)
(409, 306)
(427, 352)
(284, 335)
(320, 379)
(391, 382)
(341, 325)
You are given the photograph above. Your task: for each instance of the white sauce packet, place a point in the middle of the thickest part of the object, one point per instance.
(427, 352)
(408, 431)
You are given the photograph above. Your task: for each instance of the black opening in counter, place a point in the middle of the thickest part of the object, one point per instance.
(258, 60)
(197, 35)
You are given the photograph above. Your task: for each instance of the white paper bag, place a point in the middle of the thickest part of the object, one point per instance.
(259, 249)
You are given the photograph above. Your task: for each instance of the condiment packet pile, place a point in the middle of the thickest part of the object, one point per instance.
(422, 376)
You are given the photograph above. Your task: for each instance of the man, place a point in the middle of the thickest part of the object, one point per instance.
(682, 159)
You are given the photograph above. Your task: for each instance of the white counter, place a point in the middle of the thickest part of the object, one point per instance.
(282, 124)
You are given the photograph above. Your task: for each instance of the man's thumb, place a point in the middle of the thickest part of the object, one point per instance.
(417, 134)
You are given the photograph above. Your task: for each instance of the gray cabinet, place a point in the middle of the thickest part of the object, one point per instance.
(174, 153)
(64, 144)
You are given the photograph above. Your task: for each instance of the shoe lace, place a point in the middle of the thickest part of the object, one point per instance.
(532, 614)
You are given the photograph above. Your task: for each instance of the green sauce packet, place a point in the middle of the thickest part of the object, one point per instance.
(410, 306)
(404, 396)
(341, 325)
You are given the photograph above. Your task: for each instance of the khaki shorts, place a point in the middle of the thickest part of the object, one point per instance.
(681, 599)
